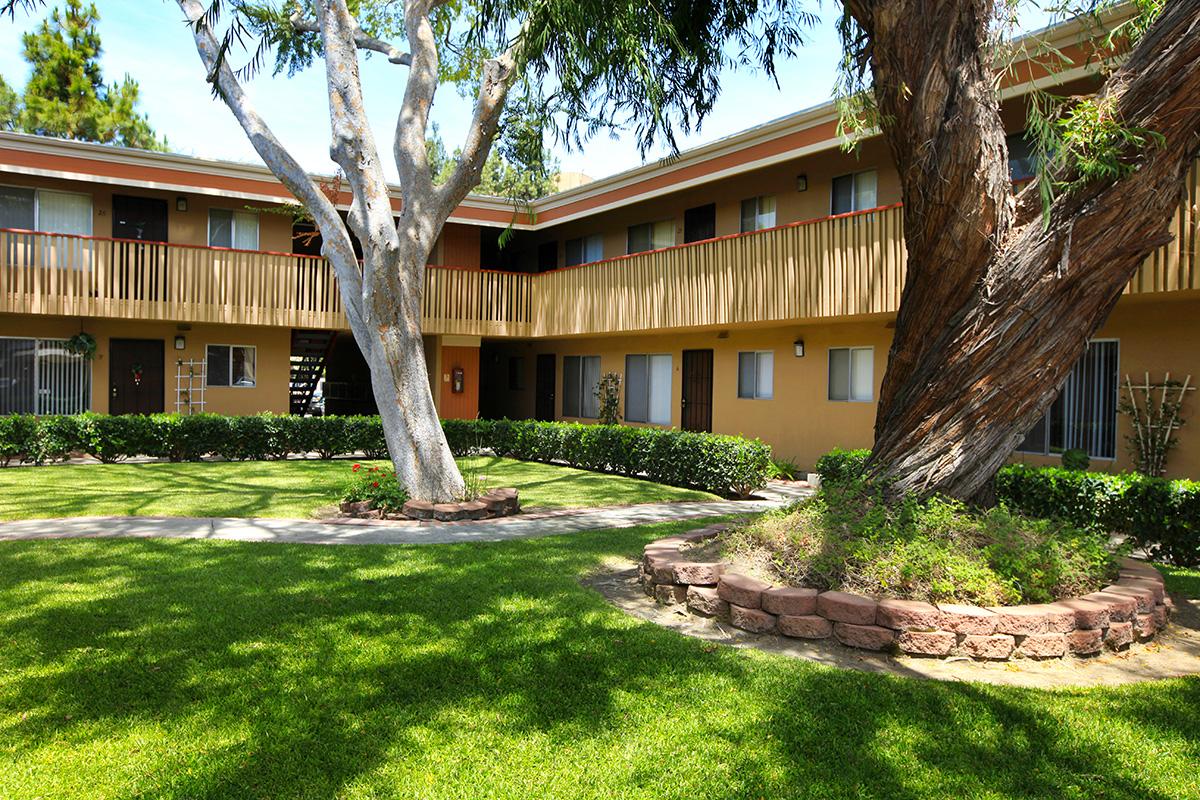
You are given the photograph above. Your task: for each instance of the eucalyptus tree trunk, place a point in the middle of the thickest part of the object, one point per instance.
(998, 306)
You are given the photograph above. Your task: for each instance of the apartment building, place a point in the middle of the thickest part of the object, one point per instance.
(749, 286)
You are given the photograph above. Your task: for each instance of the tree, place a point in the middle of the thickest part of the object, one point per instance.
(519, 182)
(66, 95)
(609, 62)
(1003, 292)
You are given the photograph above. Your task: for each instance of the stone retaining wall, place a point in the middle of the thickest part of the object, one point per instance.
(491, 504)
(1135, 608)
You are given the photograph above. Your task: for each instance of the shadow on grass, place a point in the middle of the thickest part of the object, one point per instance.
(479, 670)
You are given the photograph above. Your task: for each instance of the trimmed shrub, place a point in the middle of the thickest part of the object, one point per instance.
(112, 439)
(18, 438)
(840, 466)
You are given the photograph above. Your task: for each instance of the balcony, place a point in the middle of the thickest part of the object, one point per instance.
(844, 266)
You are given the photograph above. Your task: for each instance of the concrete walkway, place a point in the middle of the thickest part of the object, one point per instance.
(356, 531)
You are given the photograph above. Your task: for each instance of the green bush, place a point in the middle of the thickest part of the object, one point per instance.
(18, 438)
(112, 439)
(1076, 458)
(377, 485)
(841, 466)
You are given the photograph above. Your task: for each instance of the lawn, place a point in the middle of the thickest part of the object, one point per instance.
(208, 669)
(281, 488)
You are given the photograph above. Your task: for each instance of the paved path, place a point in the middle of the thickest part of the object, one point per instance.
(348, 531)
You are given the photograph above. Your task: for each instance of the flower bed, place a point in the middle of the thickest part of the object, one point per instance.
(1134, 608)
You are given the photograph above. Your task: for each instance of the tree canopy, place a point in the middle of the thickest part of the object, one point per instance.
(66, 95)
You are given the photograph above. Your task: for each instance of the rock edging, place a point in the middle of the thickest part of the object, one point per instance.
(494, 503)
(1135, 608)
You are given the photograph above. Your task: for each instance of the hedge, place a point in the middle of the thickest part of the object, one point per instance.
(727, 465)
(1159, 516)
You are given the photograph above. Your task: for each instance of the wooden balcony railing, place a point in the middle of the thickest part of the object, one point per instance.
(835, 267)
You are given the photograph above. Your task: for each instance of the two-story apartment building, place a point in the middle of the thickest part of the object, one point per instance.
(748, 286)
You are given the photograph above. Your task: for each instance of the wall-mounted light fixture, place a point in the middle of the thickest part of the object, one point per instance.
(799, 345)
(801, 183)
(181, 204)
(180, 342)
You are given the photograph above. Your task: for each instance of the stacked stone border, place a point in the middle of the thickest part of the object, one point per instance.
(494, 503)
(1134, 608)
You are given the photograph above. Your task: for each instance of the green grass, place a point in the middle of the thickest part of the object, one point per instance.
(208, 669)
(280, 488)
(1181, 580)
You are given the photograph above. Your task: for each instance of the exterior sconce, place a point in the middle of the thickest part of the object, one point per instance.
(799, 345)
(181, 204)
(180, 342)
(456, 380)
(801, 183)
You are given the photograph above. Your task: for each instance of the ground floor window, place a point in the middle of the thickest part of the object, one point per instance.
(40, 376)
(648, 389)
(852, 374)
(231, 365)
(1084, 415)
(581, 376)
(756, 375)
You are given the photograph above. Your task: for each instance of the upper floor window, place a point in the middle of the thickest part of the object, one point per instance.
(585, 249)
(856, 192)
(852, 374)
(230, 365)
(1084, 415)
(648, 388)
(1022, 160)
(756, 375)
(236, 229)
(44, 210)
(758, 213)
(651, 236)
(581, 376)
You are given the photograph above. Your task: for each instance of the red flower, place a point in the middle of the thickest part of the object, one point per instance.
(375, 484)
(356, 468)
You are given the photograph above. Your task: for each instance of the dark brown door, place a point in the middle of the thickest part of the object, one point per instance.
(139, 264)
(135, 376)
(544, 390)
(141, 218)
(700, 223)
(697, 390)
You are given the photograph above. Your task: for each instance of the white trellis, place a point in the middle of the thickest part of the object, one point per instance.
(191, 376)
(1156, 420)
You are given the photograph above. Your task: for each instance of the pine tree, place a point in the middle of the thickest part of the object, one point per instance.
(66, 95)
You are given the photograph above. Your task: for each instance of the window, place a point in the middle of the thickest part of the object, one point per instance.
(39, 376)
(852, 374)
(651, 236)
(236, 229)
(758, 213)
(1022, 161)
(756, 375)
(1084, 415)
(231, 365)
(855, 192)
(648, 389)
(42, 210)
(585, 249)
(516, 373)
(581, 376)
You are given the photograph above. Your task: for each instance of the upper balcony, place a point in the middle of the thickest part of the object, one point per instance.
(844, 266)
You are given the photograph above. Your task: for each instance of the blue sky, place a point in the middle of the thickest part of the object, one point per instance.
(149, 40)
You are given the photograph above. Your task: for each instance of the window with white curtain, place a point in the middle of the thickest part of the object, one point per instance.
(852, 374)
(756, 375)
(1084, 415)
(758, 213)
(857, 192)
(230, 365)
(44, 210)
(236, 229)
(648, 388)
(581, 376)
(40, 376)
(651, 236)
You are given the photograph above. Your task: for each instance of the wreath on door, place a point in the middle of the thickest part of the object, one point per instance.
(136, 371)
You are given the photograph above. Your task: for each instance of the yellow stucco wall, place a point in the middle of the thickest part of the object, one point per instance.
(270, 392)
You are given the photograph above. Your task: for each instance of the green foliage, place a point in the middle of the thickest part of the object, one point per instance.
(1076, 458)
(786, 470)
(66, 95)
(725, 465)
(840, 466)
(849, 537)
(511, 171)
(377, 485)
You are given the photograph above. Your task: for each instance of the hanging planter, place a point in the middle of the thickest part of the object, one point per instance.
(82, 344)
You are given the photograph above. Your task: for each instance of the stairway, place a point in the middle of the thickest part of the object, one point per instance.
(310, 354)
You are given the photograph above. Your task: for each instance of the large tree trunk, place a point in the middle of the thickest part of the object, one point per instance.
(997, 308)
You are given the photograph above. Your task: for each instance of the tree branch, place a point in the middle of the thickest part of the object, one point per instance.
(337, 246)
(362, 39)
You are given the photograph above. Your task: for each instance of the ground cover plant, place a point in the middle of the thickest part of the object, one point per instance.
(207, 669)
(295, 488)
(848, 537)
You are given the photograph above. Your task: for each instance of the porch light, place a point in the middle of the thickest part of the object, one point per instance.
(801, 183)
(181, 204)
(180, 342)
(799, 345)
